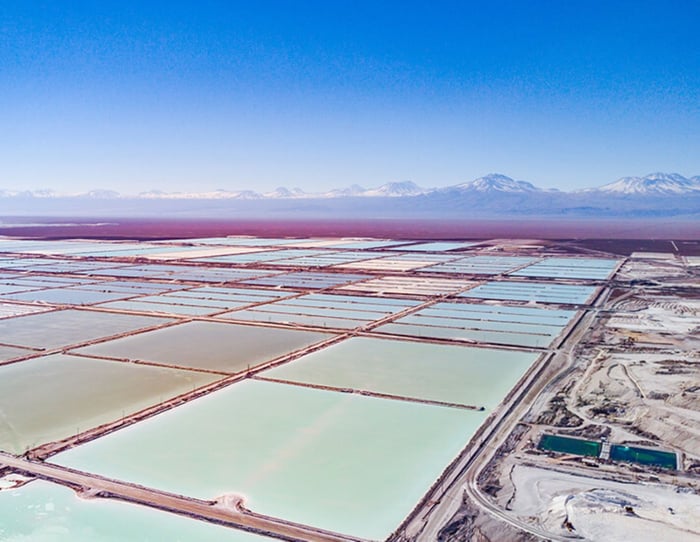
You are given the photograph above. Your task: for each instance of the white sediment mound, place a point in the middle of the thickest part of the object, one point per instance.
(600, 510)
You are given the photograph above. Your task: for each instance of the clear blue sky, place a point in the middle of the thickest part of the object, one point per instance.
(200, 95)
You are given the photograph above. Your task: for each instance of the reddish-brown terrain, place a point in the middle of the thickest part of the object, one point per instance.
(628, 235)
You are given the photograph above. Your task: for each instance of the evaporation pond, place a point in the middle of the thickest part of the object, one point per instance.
(569, 445)
(54, 397)
(643, 456)
(9, 352)
(343, 462)
(454, 374)
(45, 512)
(228, 348)
(63, 328)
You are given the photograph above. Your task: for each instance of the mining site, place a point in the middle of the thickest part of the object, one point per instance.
(323, 388)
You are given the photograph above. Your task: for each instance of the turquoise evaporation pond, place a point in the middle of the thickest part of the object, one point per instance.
(482, 325)
(53, 397)
(6, 289)
(454, 374)
(45, 512)
(285, 318)
(240, 241)
(55, 247)
(528, 291)
(369, 244)
(182, 272)
(66, 327)
(347, 301)
(218, 275)
(343, 462)
(327, 311)
(224, 347)
(317, 311)
(214, 304)
(491, 337)
(518, 326)
(251, 257)
(418, 257)
(50, 281)
(583, 268)
(437, 246)
(70, 296)
(199, 302)
(231, 294)
(246, 241)
(500, 313)
(135, 286)
(484, 265)
(162, 308)
(318, 261)
(304, 279)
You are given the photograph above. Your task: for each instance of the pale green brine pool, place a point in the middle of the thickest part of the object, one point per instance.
(343, 462)
(45, 512)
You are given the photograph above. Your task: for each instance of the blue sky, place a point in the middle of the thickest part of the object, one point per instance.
(133, 96)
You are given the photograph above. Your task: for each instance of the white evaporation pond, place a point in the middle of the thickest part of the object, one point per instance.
(343, 462)
(454, 374)
(45, 512)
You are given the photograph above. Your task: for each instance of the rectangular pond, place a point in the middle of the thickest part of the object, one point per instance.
(541, 292)
(67, 327)
(573, 268)
(12, 352)
(223, 347)
(436, 246)
(643, 456)
(569, 445)
(54, 397)
(343, 462)
(168, 309)
(328, 311)
(478, 377)
(306, 279)
(506, 338)
(517, 326)
(481, 265)
(69, 296)
(45, 512)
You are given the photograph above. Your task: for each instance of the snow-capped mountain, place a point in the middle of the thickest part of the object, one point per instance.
(496, 182)
(215, 194)
(282, 192)
(101, 194)
(350, 191)
(655, 184)
(655, 196)
(394, 190)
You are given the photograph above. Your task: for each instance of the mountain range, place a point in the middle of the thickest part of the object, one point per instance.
(654, 195)
(653, 184)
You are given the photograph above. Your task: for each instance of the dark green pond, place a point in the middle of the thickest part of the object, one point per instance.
(643, 456)
(568, 445)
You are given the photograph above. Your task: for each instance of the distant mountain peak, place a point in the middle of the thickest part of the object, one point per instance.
(497, 182)
(653, 184)
(284, 192)
(396, 189)
(352, 190)
(101, 194)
